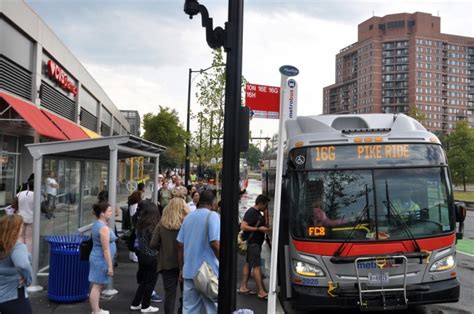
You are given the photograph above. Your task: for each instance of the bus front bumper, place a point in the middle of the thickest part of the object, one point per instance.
(309, 298)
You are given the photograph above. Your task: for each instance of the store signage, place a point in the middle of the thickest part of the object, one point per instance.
(57, 74)
(264, 101)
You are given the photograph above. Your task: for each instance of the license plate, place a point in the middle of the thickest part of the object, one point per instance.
(378, 278)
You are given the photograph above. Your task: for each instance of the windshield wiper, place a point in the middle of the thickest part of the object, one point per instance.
(363, 212)
(400, 220)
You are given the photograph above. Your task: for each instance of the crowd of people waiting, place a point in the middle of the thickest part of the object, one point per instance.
(173, 237)
(167, 238)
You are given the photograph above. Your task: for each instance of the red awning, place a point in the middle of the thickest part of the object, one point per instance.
(72, 130)
(35, 118)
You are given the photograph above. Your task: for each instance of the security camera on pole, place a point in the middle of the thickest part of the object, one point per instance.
(288, 98)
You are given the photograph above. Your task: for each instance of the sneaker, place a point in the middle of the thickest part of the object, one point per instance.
(133, 257)
(102, 312)
(155, 297)
(135, 308)
(150, 309)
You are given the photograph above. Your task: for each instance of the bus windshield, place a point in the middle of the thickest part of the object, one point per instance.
(367, 205)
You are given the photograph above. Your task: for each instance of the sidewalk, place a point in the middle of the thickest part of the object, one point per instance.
(125, 283)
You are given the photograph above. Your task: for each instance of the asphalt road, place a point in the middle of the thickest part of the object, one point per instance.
(465, 273)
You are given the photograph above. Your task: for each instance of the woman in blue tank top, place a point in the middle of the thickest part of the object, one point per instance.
(103, 250)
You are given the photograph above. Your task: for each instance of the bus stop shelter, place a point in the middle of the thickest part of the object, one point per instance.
(109, 149)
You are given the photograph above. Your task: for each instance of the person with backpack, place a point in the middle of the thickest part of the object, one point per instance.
(253, 225)
(133, 200)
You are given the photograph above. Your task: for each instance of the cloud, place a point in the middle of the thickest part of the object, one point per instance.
(139, 51)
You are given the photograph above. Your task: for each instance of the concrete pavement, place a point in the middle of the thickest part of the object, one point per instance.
(125, 283)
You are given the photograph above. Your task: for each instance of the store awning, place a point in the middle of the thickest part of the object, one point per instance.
(70, 129)
(35, 118)
(90, 133)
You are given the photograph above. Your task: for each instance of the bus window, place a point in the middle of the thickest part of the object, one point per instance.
(331, 202)
(416, 196)
(330, 205)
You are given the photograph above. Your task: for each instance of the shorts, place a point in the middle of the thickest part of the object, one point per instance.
(253, 254)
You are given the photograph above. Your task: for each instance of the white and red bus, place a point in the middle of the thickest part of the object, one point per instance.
(367, 215)
(243, 175)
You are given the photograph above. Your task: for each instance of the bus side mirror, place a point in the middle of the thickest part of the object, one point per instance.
(460, 209)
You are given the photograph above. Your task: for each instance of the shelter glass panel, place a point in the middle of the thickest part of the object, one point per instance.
(60, 201)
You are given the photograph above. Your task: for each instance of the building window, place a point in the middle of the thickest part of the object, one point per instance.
(8, 166)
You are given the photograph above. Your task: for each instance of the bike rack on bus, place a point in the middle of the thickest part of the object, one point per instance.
(380, 262)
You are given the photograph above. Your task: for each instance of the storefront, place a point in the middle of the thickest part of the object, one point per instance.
(47, 95)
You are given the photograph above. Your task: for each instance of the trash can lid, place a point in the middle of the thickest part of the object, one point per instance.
(68, 238)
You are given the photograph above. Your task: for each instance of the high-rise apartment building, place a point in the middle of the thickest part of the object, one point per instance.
(402, 61)
(133, 118)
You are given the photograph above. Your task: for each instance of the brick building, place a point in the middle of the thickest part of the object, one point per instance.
(403, 60)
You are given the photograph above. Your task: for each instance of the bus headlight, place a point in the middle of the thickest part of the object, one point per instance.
(443, 264)
(307, 270)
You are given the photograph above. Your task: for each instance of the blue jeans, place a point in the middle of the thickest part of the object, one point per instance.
(194, 300)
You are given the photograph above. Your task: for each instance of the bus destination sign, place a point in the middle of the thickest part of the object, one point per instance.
(375, 155)
(324, 153)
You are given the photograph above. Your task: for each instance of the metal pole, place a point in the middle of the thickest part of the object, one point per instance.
(34, 287)
(157, 172)
(200, 144)
(230, 174)
(210, 133)
(113, 203)
(186, 166)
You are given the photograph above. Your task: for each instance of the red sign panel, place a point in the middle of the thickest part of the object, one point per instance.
(263, 100)
(56, 73)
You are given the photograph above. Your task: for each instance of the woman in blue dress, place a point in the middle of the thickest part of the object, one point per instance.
(15, 267)
(103, 250)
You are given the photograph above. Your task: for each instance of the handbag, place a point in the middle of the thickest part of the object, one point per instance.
(85, 249)
(241, 243)
(205, 281)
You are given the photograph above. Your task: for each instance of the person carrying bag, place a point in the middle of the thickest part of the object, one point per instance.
(205, 280)
(198, 256)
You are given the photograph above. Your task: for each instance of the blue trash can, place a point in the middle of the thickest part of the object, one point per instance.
(68, 275)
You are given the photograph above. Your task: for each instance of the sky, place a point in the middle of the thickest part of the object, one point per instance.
(140, 51)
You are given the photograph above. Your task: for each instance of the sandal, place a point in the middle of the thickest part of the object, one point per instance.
(263, 298)
(248, 292)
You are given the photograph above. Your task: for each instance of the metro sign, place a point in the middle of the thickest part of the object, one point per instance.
(57, 74)
(264, 101)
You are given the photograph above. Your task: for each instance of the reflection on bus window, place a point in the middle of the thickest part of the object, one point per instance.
(369, 204)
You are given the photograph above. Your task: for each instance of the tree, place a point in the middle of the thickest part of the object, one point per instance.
(460, 148)
(207, 140)
(165, 129)
(418, 115)
(253, 156)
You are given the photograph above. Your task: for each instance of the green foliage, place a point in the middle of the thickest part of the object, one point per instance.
(460, 147)
(165, 129)
(211, 99)
(418, 115)
(253, 156)
(208, 138)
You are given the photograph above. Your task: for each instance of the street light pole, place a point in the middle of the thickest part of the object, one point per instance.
(200, 144)
(186, 162)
